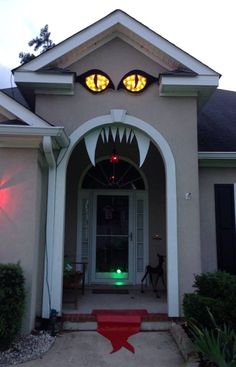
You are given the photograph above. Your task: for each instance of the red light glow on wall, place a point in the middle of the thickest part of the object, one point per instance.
(10, 197)
(4, 195)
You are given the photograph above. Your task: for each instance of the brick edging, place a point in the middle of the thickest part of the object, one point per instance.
(184, 344)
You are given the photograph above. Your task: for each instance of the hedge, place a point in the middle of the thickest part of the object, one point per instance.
(12, 300)
(216, 292)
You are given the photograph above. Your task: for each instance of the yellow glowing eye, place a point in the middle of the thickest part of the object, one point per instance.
(95, 81)
(135, 82)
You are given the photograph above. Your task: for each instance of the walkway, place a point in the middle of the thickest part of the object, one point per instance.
(86, 349)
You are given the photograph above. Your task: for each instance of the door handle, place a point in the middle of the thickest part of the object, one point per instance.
(131, 236)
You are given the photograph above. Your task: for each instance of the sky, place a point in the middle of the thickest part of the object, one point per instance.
(206, 29)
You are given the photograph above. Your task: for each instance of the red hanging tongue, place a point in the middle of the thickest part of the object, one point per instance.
(118, 326)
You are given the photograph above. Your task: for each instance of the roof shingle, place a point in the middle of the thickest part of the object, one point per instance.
(217, 123)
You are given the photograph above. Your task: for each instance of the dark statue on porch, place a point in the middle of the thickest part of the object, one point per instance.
(158, 271)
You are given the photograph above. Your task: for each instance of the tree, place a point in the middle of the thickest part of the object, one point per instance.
(41, 44)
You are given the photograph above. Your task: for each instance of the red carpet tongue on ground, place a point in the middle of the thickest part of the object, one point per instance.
(118, 326)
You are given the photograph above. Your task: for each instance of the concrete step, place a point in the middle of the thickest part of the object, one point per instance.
(88, 322)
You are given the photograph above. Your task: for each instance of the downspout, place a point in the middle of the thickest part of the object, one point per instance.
(63, 142)
(47, 289)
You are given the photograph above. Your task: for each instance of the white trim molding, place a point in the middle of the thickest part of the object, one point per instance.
(30, 134)
(56, 245)
(217, 159)
(120, 22)
(216, 155)
(58, 81)
(21, 112)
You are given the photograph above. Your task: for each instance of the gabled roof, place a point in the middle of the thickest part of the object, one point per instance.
(19, 112)
(16, 95)
(217, 123)
(121, 25)
(22, 127)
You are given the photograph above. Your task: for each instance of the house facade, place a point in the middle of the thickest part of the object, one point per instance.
(108, 142)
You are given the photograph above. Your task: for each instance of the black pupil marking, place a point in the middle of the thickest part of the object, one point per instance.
(96, 80)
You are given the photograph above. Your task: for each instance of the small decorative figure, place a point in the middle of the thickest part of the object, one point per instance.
(157, 270)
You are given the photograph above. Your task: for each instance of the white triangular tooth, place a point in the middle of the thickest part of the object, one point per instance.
(121, 133)
(103, 136)
(91, 143)
(106, 130)
(113, 133)
(143, 145)
(131, 137)
(127, 133)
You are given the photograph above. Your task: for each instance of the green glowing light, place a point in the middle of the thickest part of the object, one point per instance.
(118, 275)
(119, 283)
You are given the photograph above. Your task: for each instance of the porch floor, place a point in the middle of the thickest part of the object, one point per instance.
(134, 299)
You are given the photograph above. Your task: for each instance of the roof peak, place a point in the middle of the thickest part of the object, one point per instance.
(133, 31)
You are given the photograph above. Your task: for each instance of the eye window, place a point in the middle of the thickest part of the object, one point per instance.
(136, 81)
(95, 81)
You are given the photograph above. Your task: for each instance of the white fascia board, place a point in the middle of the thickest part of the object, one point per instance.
(56, 132)
(216, 155)
(20, 111)
(54, 79)
(20, 142)
(195, 81)
(109, 22)
(69, 44)
(168, 48)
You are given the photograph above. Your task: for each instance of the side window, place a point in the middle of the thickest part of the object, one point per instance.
(225, 227)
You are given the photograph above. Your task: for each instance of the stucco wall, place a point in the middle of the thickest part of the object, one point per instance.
(21, 220)
(208, 177)
(2, 118)
(174, 117)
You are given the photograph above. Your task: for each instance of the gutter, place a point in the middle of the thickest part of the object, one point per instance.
(55, 132)
(216, 155)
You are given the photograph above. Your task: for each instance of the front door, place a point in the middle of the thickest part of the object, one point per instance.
(112, 239)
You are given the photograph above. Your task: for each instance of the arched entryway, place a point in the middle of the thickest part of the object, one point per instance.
(56, 247)
(112, 220)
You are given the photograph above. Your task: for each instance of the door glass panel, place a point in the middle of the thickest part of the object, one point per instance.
(140, 234)
(112, 235)
(85, 229)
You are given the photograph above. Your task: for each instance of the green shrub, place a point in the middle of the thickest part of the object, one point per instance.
(219, 284)
(12, 297)
(217, 344)
(216, 292)
(195, 307)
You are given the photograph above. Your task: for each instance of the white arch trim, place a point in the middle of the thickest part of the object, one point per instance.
(57, 242)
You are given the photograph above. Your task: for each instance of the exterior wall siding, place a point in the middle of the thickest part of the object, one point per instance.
(20, 219)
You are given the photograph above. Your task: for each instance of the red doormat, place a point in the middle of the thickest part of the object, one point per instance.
(118, 326)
